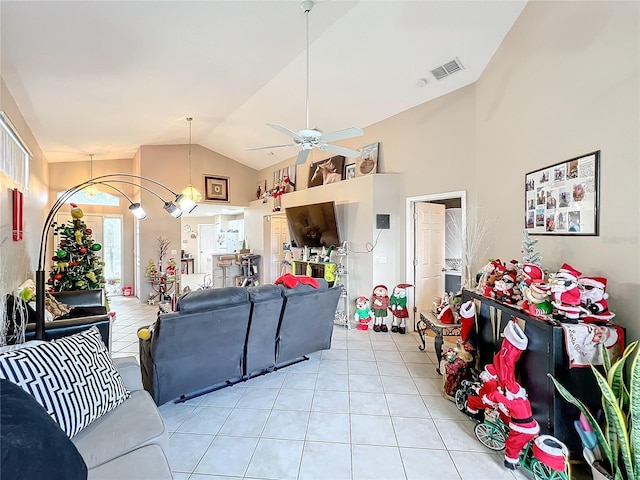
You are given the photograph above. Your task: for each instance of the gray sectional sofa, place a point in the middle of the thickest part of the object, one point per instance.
(222, 336)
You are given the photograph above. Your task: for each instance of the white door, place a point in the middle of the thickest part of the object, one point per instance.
(279, 236)
(429, 234)
(207, 238)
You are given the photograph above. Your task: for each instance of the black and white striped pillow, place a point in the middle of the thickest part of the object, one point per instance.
(73, 378)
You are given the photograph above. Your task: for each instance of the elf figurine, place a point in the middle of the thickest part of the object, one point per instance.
(380, 304)
(398, 307)
(364, 314)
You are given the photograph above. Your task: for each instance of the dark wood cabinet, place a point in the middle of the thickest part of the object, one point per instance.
(546, 353)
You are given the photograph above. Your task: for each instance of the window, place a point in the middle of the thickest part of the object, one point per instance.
(100, 198)
(14, 155)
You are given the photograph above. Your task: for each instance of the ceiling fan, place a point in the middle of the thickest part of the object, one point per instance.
(312, 137)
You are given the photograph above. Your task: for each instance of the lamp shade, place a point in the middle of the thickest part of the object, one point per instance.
(174, 211)
(191, 193)
(186, 204)
(138, 211)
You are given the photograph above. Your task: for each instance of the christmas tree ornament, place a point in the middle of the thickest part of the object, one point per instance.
(76, 212)
(89, 231)
(83, 250)
(96, 247)
(57, 276)
(91, 276)
(79, 235)
(67, 231)
(61, 253)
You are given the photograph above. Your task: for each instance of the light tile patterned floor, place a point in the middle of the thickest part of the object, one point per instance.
(369, 408)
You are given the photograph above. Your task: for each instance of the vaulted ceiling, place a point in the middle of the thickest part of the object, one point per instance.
(103, 77)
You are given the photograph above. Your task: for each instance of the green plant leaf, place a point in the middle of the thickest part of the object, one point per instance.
(615, 378)
(604, 444)
(616, 424)
(606, 359)
(634, 414)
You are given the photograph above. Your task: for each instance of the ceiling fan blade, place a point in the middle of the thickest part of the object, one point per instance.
(346, 152)
(272, 146)
(302, 156)
(341, 134)
(286, 131)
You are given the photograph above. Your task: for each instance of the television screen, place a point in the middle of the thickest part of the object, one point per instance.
(313, 225)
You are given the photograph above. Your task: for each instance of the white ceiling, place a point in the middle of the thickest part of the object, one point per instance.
(104, 77)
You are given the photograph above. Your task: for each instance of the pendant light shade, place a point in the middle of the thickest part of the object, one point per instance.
(190, 192)
(91, 191)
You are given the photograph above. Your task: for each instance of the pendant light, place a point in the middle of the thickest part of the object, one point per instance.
(91, 191)
(190, 192)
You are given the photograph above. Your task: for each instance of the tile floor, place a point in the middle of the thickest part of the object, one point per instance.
(369, 408)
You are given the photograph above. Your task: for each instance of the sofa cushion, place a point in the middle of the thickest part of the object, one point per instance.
(148, 463)
(132, 425)
(211, 298)
(28, 432)
(73, 378)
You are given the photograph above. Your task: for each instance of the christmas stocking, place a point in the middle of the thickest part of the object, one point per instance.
(467, 319)
(513, 344)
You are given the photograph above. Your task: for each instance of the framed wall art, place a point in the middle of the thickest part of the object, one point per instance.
(367, 162)
(564, 198)
(216, 189)
(349, 171)
(326, 171)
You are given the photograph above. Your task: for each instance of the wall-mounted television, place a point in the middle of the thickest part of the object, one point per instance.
(313, 225)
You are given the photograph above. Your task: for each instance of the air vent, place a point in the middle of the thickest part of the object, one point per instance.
(447, 69)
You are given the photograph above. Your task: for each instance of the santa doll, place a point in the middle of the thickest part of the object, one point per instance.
(593, 299)
(477, 403)
(380, 304)
(522, 426)
(398, 307)
(565, 293)
(503, 288)
(531, 274)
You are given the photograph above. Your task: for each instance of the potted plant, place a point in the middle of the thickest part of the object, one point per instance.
(620, 441)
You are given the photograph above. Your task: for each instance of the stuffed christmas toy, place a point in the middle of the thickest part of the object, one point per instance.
(522, 425)
(467, 319)
(565, 293)
(532, 274)
(380, 304)
(593, 299)
(514, 342)
(536, 300)
(445, 314)
(364, 314)
(503, 288)
(398, 307)
(477, 403)
(456, 367)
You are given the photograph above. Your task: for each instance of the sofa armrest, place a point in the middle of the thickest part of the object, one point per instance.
(130, 372)
(69, 326)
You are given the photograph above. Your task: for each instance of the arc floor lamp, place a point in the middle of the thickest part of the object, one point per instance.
(176, 207)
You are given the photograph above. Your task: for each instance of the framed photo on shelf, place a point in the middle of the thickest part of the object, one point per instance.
(350, 171)
(216, 189)
(326, 171)
(564, 198)
(367, 163)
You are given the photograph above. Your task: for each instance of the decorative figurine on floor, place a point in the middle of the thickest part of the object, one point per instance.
(380, 304)
(476, 404)
(398, 307)
(593, 299)
(566, 294)
(364, 314)
(456, 367)
(522, 426)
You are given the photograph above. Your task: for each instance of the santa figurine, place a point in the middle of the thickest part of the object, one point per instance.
(514, 342)
(593, 299)
(476, 404)
(531, 273)
(503, 288)
(522, 426)
(566, 294)
(364, 314)
(398, 307)
(380, 304)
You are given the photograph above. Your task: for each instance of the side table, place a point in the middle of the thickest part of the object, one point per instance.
(429, 320)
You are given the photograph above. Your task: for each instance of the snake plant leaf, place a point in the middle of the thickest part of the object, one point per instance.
(604, 444)
(615, 376)
(634, 414)
(617, 424)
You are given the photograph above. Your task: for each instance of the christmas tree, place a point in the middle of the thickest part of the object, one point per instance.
(529, 254)
(77, 265)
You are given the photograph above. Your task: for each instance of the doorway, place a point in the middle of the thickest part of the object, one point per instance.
(276, 235)
(431, 238)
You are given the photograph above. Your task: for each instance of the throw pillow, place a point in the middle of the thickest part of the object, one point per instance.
(73, 378)
(33, 445)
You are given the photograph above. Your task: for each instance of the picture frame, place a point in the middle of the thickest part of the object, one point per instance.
(349, 171)
(323, 172)
(216, 189)
(564, 198)
(367, 162)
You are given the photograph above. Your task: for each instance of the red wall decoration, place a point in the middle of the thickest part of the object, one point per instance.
(17, 214)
